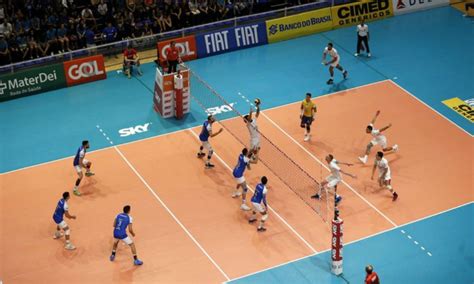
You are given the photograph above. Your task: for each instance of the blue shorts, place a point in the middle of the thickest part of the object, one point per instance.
(306, 120)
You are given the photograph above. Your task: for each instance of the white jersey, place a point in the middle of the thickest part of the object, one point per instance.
(333, 53)
(253, 129)
(362, 30)
(378, 136)
(335, 170)
(383, 166)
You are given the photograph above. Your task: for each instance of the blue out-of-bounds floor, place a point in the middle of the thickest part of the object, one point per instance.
(429, 53)
(435, 250)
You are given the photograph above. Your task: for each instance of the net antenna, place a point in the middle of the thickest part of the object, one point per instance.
(278, 162)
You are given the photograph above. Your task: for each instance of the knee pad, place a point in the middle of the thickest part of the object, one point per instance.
(265, 217)
(244, 188)
(209, 155)
(389, 187)
(67, 232)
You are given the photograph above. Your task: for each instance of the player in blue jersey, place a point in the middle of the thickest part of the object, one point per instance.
(121, 222)
(204, 136)
(242, 163)
(62, 209)
(81, 162)
(260, 197)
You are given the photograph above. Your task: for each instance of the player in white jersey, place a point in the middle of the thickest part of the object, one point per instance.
(334, 62)
(378, 139)
(334, 178)
(385, 178)
(252, 126)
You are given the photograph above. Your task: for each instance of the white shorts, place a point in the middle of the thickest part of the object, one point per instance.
(332, 181)
(240, 180)
(63, 224)
(386, 178)
(381, 140)
(258, 207)
(254, 143)
(206, 145)
(79, 167)
(335, 63)
(127, 240)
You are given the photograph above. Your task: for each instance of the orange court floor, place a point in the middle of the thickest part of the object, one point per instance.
(188, 227)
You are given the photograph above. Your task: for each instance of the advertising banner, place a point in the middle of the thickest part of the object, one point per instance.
(84, 70)
(299, 25)
(406, 6)
(186, 46)
(353, 14)
(231, 39)
(32, 81)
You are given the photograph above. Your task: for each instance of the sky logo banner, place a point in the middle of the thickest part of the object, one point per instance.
(32, 81)
(299, 25)
(231, 39)
(353, 14)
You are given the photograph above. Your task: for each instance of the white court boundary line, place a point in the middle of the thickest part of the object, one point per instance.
(269, 207)
(425, 104)
(354, 241)
(171, 213)
(181, 130)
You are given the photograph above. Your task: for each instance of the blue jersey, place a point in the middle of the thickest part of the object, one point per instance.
(241, 165)
(121, 223)
(206, 128)
(259, 194)
(81, 153)
(61, 208)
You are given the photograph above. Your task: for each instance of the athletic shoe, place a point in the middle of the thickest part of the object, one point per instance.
(112, 257)
(356, 54)
(395, 148)
(89, 174)
(139, 73)
(209, 165)
(69, 246)
(306, 138)
(200, 155)
(76, 192)
(57, 235)
(338, 199)
(395, 196)
(363, 159)
(236, 194)
(316, 196)
(244, 207)
(330, 82)
(261, 229)
(252, 221)
(344, 74)
(368, 55)
(137, 262)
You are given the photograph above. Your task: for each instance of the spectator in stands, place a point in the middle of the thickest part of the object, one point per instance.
(81, 34)
(102, 10)
(62, 37)
(204, 11)
(167, 23)
(52, 40)
(130, 57)
(4, 51)
(89, 35)
(5, 27)
(131, 5)
(172, 56)
(88, 17)
(110, 35)
(194, 17)
(72, 36)
(34, 50)
(371, 277)
(185, 14)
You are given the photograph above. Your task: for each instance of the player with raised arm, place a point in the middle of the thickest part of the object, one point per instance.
(204, 136)
(62, 209)
(242, 163)
(308, 110)
(81, 162)
(334, 62)
(259, 202)
(121, 222)
(385, 178)
(378, 138)
(334, 178)
(252, 126)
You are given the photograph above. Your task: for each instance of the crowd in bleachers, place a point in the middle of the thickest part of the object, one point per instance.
(35, 28)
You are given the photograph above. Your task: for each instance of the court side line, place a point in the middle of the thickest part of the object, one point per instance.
(184, 129)
(354, 241)
(269, 207)
(171, 213)
(322, 164)
(428, 106)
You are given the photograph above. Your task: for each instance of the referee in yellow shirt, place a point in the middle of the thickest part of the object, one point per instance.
(308, 110)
